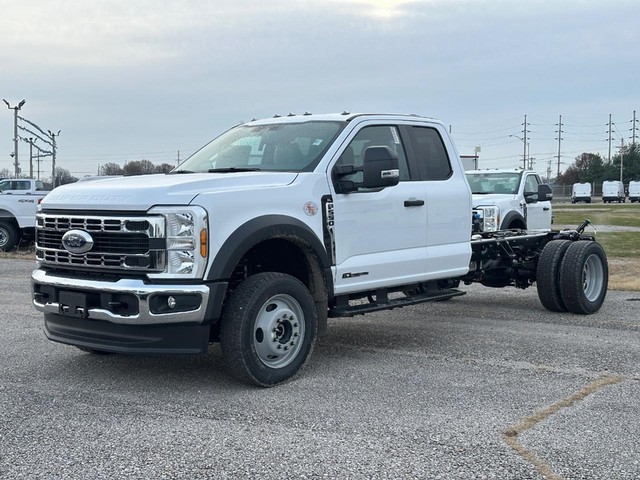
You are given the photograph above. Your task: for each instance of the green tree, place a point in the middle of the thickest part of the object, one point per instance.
(587, 167)
(629, 156)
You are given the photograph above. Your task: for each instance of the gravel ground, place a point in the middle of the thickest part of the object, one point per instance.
(485, 386)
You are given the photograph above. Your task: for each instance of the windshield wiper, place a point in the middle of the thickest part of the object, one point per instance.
(233, 169)
(180, 171)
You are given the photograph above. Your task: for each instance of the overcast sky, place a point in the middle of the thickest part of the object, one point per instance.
(136, 79)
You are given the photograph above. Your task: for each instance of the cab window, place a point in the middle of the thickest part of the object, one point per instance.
(531, 184)
(430, 153)
(374, 136)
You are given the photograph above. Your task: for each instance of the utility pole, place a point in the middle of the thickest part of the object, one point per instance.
(178, 160)
(610, 128)
(559, 142)
(30, 157)
(621, 157)
(53, 157)
(634, 129)
(15, 132)
(524, 155)
(38, 160)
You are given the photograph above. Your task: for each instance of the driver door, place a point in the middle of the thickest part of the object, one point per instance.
(380, 235)
(538, 212)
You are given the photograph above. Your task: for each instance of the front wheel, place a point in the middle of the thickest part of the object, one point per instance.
(584, 276)
(268, 329)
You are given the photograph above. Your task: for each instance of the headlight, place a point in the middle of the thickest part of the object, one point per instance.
(186, 241)
(490, 218)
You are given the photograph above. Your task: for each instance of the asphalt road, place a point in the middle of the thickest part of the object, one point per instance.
(485, 386)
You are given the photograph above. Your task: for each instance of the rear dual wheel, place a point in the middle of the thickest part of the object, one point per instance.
(572, 276)
(584, 277)
(548, 275)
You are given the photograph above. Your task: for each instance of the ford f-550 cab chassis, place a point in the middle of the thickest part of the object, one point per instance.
(274, 227)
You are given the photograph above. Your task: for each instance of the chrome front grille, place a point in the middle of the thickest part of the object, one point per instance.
(127, 243)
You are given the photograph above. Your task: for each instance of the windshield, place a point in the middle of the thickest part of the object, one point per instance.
(482, 183)
(293, 147)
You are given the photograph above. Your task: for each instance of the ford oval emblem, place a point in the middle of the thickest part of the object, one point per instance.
(77, 241)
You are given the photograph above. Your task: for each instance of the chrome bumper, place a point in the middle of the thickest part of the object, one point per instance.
(143, 292)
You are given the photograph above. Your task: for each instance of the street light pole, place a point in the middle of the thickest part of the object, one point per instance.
(15, 133)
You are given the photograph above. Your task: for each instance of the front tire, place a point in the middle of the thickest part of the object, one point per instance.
(548, 275)
(269, 326)
(9, 236)
(584, 277)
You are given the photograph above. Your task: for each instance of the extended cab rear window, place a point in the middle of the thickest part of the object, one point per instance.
(430, 153)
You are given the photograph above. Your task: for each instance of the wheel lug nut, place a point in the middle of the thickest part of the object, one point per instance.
(286, 348)
(279, 347)
(292, 344)
(295, 324)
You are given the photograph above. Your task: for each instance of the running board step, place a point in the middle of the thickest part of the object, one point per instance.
(388, 304)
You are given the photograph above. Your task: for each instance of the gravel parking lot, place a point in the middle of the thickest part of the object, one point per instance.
(485, 386)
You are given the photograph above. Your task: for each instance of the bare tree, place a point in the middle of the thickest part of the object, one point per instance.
(111, 169)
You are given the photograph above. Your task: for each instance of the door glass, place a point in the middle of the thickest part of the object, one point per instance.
(374, 136)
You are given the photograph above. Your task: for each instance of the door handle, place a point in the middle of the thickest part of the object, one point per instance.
(413, 203)
(546, 209)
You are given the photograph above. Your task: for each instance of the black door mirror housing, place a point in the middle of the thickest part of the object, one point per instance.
(544, 193)
(380, 168)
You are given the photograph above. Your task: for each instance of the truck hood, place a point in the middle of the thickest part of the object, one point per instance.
(139, 193)
(490, 198)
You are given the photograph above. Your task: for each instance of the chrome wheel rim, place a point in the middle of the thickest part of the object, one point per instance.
(278, 331)
(592, 277)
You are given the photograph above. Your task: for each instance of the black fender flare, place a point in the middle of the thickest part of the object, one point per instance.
(511, 217)
(264, 228)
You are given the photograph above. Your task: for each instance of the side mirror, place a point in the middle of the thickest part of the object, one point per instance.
(545, 192)
(380, 168)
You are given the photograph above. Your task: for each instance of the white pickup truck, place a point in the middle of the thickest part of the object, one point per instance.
(19, 198)
(508, 198)
(274, 227)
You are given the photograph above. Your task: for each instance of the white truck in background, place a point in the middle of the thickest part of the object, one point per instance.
(277, 225)
(509, 198)
(581, 192)
(613, 191)
(634, 191)
(19, 199)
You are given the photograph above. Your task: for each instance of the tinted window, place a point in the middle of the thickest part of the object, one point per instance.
(431, 153)
(374, 136)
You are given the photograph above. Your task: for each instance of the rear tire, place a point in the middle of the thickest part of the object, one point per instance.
(584, 277)
(9, 236)
(548, 275)
(269, 326)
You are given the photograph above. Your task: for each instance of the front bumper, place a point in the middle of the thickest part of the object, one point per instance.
(140, 303)
(126, 316)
